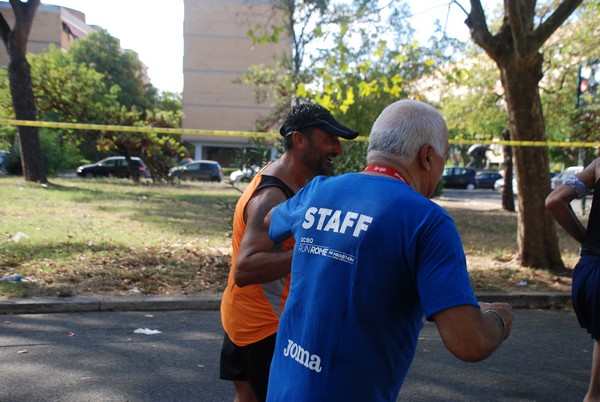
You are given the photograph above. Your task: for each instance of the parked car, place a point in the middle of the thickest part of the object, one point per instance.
(558, 179)
(487, 178)
(499, 185)
(203, 170)
(3, 158)
(113, 166)
(459, 177)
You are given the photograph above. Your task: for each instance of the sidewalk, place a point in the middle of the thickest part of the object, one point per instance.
(95, 304)
(535, 300)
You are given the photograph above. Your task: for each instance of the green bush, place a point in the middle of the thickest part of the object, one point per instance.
(58, 155)
(354, 158)
(12, 163)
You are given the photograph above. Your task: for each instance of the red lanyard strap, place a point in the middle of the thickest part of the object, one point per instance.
(371, 167)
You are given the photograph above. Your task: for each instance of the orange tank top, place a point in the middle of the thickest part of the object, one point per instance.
(251, 313)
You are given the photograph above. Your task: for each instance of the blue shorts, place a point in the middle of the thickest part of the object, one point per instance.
(586, 293)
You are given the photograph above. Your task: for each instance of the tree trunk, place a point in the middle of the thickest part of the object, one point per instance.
(537, 238)
(133, 172)
(32, 159)
(508, 198)
(515, 49)
(21, 89)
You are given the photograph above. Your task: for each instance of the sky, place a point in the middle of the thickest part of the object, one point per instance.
(154, 29)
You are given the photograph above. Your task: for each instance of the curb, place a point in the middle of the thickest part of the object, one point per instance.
(44, 305)
(40, 305)
(533, 300)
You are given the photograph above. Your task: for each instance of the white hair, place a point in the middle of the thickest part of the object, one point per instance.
(403, 128)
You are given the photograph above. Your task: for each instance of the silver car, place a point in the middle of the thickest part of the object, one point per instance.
(201, 170)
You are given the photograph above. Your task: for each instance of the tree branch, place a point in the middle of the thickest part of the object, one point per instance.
(4, 30)
(560, 15)
(24, 12)
(521, 14)
(512, 12)
(460, 6)
(479, 30)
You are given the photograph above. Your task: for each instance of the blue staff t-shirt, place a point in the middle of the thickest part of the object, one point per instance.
(372, 257)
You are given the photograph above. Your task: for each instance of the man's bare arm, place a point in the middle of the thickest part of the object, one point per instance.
(558, 203)
(259, 260)
(472, 334)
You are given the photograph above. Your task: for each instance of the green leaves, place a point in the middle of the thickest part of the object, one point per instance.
(95, 82)
(68, 91)
(103, 53)
(362, 57)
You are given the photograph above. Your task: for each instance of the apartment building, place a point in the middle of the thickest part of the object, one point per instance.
(55, 25)
(217, 50)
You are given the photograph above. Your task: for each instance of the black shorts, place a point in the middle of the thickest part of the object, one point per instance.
(586, 293)
(248, 363)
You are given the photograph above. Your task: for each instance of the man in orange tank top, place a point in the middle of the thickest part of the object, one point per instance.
(258, 281)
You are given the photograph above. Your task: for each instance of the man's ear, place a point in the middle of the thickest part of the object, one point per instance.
(298, 139)
(425, 155)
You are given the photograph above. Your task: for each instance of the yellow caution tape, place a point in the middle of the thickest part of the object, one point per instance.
(132, 129)
(567, 144)
(163, 130)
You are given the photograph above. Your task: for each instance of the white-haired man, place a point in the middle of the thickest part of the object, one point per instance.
(373, 256)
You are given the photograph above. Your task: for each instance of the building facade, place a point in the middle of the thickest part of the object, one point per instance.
(52, 25)
(218, 50)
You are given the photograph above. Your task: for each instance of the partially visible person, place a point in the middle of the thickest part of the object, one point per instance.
(585, 290)
(373, 256)
(258, 281)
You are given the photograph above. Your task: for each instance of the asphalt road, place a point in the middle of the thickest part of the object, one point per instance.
(98, 357)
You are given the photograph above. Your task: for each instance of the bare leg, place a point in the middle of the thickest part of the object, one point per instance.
(244, 392)
(593, 394)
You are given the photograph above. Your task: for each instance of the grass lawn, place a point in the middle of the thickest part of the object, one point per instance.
(81, 237)
(107, 236)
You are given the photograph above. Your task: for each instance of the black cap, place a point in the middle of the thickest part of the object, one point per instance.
(326, 122)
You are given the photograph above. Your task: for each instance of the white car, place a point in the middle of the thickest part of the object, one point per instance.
(499, 185)
(244, 175)
(558, 179)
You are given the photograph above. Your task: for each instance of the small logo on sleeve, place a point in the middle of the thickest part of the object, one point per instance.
(302, 356)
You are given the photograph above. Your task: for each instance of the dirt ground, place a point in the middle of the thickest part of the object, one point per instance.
(505, 274)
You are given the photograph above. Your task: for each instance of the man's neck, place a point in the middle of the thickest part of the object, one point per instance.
(408, 171)
(293, 173)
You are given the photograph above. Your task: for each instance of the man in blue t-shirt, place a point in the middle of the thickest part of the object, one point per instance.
(373, 255)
